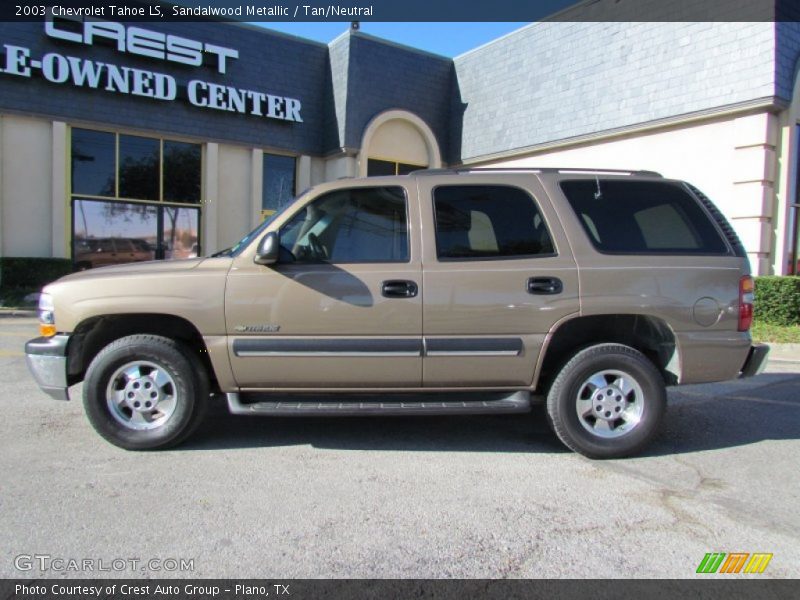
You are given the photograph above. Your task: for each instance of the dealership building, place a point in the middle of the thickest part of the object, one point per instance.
(129, 141)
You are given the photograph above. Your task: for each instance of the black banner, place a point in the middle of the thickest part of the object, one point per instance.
(407, 10)
(386, 589)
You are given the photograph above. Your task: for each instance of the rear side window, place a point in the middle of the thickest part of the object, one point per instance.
(488, 221)
(642, 217)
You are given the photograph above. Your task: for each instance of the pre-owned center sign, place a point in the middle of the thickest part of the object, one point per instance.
(71, 70)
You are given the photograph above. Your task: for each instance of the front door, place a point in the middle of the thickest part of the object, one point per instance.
(498, 275)
(342, 308)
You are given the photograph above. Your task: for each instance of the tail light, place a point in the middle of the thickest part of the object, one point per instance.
(746, 297)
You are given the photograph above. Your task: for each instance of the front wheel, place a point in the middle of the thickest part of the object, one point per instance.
(145, 392)
(607, 402)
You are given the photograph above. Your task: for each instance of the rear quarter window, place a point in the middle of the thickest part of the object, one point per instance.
(642, 217)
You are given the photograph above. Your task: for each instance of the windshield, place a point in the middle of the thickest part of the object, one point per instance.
(239, 246)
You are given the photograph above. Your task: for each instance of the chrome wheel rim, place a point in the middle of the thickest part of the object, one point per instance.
(141, 395)
(610, 403)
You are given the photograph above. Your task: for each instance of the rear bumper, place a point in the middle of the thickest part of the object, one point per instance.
(756, 360)
(47, 362)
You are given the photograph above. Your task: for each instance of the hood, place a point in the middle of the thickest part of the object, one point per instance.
(132, 269)
(192, 289)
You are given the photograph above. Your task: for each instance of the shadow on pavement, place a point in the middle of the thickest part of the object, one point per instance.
(701, 417)
(766, 407)
(521, 433)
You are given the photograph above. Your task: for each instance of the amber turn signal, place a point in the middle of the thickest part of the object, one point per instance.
(47, 330)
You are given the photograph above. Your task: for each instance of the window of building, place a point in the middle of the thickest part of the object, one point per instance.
(182, 168)
(350, 226)
(133, 198)
(279, 181)
(794, 252)
(139, 167)
(485, 222)
(94, 163)
(642, 217)
(376, 168)
(793, 268)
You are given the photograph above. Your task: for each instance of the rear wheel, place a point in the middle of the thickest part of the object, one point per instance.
(145, 392)
(607, 402)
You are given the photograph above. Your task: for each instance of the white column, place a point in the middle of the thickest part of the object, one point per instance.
(256, 185)
(786, 188)
(317, 172)
(754, 174)
(60, 214)
(210, 198)
(303, 173)
(340, 167)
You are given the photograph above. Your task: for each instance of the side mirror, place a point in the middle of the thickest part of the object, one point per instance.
(268, 249)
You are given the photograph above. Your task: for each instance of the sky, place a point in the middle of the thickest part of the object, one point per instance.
(447, 39)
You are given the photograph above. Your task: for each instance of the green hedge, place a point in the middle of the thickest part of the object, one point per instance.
(778, 300)
(32, 273)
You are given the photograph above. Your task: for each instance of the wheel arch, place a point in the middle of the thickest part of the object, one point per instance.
(95, 333)
(650, 335)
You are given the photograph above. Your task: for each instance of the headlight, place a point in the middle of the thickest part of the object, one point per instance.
(47, 317)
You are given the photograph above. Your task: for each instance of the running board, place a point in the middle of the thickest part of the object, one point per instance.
(278, 405)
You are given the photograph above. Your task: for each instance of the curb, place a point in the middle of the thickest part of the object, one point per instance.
(16, 313)
(784, 353)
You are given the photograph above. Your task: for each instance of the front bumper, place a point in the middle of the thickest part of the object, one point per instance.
(47, 361)
(756, 360)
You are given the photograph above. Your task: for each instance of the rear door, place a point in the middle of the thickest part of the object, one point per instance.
(498, 274)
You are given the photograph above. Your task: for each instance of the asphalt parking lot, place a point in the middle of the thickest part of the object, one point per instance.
(466, 497)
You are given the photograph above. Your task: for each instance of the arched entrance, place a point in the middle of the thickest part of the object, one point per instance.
(397, 142)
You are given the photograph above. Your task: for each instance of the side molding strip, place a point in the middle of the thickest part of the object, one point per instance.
(316, 347)
(473, 346)
(434, 347)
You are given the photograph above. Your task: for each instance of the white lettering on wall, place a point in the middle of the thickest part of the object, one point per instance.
(63, 69)
(140, 41)
(237, 100)
(17, 60)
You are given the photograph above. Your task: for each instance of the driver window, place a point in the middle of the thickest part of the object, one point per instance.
(349, 226)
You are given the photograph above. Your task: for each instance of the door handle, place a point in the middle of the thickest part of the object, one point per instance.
(399, 288)
(545, 285)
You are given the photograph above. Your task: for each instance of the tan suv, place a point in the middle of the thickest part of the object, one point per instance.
(447, 291)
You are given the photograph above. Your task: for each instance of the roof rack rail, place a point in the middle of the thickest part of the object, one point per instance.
(573, 170)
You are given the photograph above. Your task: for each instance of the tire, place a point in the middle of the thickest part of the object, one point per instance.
(607, 402)
(145, 392)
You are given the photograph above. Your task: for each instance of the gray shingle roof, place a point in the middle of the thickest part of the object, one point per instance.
(556, 80)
